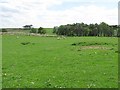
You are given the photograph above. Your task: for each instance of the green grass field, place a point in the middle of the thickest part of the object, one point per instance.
(46, 62)
(49, 31)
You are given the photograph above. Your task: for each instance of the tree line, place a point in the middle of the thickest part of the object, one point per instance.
(40, 30)
(81, 29)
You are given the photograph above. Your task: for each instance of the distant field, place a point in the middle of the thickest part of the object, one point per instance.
(48, 30)
(48, 62)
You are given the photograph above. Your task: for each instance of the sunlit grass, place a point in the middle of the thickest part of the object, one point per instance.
(46, 62)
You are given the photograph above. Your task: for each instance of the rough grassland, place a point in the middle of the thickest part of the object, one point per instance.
(46, 62)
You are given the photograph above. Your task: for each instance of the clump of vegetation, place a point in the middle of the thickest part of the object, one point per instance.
(41, 30)
(117, 51)
(4, 30)
(27, 27)
(38, 31)
(82, 29)
(33, 30)
(25, 43)
(79, 43)
(90, 43)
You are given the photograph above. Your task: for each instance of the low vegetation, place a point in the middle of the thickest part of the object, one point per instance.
(49, 62)
(4, 30)
(48, 58)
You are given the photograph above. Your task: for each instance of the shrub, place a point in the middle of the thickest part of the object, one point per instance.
(41, 30)
(25, 43)
(33, 30)
(4, 30)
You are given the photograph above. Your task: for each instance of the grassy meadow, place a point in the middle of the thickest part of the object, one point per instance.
(48, 62)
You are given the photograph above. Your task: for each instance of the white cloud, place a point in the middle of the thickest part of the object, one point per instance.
(89, 14)
(16, 13)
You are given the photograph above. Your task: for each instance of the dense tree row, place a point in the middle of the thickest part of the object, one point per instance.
(81, 29)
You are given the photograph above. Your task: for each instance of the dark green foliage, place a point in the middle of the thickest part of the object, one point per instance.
(117, 51)
(105, 30)
(25, 43)
(81, 29)
(55, 29)
(27, 27)
(118, 32)
(91, 43)
(4, 30)
(33, 30)
(41, 30)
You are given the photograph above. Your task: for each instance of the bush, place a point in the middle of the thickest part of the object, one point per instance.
(41, 30)
(4, 30)
(33, 30)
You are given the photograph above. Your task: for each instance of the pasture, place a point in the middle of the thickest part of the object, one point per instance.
(71, 62)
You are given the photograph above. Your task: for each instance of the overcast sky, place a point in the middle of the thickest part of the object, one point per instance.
(50, 13)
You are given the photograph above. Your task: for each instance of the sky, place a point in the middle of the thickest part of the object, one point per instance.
(50, 13)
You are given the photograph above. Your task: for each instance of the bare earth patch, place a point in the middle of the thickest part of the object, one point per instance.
(94, 47)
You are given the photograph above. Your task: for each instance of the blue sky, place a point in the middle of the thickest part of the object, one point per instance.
(68, 5)
(50, 13)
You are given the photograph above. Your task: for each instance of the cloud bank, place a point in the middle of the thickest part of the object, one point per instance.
(50, 13)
